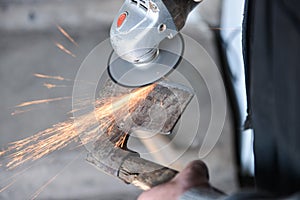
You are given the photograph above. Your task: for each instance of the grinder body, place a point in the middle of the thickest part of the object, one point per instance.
(137, 32)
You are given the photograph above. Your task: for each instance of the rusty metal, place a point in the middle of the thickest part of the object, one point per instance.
(166, 102)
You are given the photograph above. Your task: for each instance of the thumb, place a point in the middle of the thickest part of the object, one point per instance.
(195, 174)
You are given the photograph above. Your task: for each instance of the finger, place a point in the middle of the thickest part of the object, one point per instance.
(195, 174)
(199, 167)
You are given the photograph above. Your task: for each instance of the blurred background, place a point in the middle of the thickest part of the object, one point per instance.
(28, 38)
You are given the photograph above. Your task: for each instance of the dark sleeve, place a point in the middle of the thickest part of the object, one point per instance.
(272, 59)
(207, 194)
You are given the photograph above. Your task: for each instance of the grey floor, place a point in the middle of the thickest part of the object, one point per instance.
(23, 53)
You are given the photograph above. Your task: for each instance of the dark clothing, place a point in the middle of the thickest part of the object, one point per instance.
(272, 60)
(271, 41)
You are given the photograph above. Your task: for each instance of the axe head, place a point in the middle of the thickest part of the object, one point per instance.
(158, 112)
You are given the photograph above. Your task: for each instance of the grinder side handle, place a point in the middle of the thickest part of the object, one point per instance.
(144, 173)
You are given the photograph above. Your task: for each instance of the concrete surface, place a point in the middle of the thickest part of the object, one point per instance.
(25, 51)
(40, 15)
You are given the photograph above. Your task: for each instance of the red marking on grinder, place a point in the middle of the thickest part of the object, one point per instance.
(121, 19)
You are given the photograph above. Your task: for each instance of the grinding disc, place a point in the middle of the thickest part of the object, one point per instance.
(135, 75)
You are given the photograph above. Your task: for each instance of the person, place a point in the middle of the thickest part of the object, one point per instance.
(271, 40)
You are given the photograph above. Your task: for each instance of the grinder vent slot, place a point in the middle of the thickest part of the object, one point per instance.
(141, 4)
(144, 7)
(134, 1)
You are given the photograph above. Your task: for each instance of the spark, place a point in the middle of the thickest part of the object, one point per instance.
(35, 102)
(8, 185)
(50, 77)
(50, 86)
(41, 189)
(66, 35)
(14, 177)
(17, 112)
(87, 126)
(16, 174)
(61, 78)
(73, 111)
(122, 140)
(64, 49)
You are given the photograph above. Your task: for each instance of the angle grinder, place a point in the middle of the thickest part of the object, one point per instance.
(146, 40)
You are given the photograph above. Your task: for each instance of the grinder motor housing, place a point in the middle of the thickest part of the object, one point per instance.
(140, 27)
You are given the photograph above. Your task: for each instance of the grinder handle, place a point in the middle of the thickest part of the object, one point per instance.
(144, 173)
(180, 9)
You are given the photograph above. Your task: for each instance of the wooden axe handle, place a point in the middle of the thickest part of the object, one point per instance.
(143, 173)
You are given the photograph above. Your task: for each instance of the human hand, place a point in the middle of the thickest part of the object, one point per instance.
(195, 175)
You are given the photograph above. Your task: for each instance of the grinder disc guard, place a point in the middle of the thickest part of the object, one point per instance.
(136, 75)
